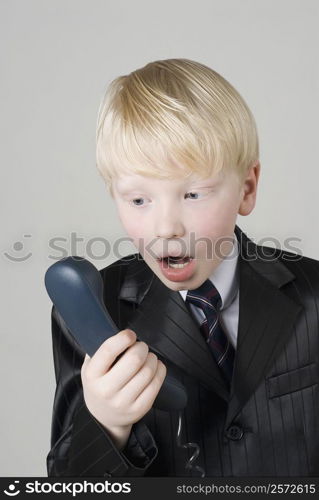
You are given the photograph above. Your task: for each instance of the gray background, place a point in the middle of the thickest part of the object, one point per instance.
(56, 59)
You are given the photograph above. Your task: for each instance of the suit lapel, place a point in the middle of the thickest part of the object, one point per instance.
(266, 319)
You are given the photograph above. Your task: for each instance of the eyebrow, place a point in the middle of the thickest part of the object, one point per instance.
(198, 183)
(128, 189)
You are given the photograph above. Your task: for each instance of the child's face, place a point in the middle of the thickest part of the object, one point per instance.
(194, 218)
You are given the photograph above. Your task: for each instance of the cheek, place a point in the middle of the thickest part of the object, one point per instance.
(136, 230)
(129, 222)
(217, 220)
(133, 229)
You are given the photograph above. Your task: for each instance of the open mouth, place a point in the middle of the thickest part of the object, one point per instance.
(175, 262)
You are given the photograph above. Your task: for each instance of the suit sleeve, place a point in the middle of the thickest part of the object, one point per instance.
(80, 445)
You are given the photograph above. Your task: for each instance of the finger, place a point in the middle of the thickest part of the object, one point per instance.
(127, 366)
(106, 354)
(85, 361)
(142, 378)
(146, 399)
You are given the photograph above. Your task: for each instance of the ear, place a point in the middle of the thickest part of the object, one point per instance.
(249, 190)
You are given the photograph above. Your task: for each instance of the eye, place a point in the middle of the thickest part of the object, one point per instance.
(139, 202)
(192, 196)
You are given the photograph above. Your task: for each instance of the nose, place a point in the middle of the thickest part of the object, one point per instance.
(169, 225)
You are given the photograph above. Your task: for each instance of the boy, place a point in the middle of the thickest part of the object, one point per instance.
(236, 323)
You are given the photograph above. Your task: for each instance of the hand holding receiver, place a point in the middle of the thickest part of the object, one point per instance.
(75, 287)
(119, 393)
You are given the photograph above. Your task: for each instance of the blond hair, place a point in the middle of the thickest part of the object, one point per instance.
(173, 118)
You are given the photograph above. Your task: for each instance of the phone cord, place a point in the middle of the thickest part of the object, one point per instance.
(189, 465)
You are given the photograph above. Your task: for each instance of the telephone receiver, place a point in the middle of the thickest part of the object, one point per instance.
(75, 287)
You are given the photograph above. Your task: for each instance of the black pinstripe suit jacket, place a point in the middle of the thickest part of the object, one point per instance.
(268, 425)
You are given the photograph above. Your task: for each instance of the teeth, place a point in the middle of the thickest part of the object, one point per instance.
(178, 263)
(177, 266)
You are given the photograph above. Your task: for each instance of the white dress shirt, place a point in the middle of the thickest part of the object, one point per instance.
(226, 280)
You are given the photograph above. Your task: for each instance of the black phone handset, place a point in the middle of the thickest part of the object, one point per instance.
(75, 287)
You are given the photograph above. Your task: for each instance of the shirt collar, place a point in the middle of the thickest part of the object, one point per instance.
(225, 277)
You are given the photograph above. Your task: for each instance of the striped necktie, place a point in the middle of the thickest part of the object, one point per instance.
(208, 299)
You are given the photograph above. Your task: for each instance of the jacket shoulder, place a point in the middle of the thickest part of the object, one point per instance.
(305, 270)
(126, 279)
(121, 265)
(128, 269)
(295, 261)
